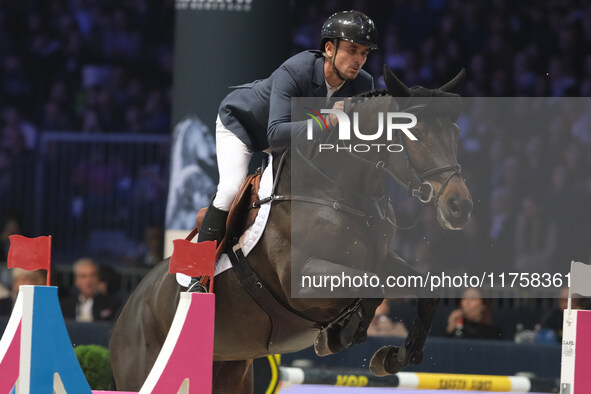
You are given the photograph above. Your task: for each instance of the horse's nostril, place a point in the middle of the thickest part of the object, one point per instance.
(459, 206)
(452, 204)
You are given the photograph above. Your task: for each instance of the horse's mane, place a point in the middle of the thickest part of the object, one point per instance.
(451, 106)
(416, 91)
(375, 93)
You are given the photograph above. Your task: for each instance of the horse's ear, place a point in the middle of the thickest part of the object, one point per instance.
(394, 85)
(456, 83)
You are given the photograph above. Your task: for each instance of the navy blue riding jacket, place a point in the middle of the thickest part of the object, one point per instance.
(259, 113)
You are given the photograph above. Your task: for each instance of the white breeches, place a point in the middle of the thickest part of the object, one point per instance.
(233, 158)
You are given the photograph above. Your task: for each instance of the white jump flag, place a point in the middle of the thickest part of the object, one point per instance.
(576, 341)
(580, 279)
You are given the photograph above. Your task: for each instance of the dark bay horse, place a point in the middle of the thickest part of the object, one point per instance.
(339, 213)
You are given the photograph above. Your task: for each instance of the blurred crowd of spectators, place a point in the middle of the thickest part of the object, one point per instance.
(85, 67)
(73, 65)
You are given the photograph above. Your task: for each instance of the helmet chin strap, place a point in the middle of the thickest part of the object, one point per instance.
(334, 56)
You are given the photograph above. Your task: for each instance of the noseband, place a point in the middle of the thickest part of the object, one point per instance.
(420, 192)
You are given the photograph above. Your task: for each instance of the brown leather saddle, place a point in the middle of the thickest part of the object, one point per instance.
(242, 213)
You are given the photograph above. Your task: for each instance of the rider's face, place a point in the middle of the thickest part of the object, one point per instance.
(350, 58)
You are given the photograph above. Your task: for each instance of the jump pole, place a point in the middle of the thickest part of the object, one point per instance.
(413, 380)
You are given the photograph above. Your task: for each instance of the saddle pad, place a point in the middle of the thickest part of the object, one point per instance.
(251, 236)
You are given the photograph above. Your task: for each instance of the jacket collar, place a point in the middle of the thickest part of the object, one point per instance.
(318, 77)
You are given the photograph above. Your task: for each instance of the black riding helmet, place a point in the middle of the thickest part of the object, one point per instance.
(352, 26)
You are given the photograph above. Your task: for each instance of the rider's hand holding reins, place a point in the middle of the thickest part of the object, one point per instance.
(332, 119)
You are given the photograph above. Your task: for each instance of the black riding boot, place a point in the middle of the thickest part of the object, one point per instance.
(213, 228)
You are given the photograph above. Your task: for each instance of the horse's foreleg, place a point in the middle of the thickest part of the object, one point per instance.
(233, 377)
(391, 359)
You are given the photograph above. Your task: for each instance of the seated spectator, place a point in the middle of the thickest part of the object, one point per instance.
(473, 319)
(89, 304)
(382, 325)
(21, 277)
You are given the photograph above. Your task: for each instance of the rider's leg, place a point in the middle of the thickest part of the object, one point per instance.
(233, 157)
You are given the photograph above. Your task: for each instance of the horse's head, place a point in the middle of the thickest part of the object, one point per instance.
(429, 166)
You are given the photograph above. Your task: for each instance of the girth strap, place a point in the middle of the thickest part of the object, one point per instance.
(289, 329)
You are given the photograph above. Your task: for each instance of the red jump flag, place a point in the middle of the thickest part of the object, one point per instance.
(30, 253)
(193, 259)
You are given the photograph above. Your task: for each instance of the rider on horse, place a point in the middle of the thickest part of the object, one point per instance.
(257, 116)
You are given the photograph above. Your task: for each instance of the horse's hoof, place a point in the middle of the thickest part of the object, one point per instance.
(327, 342)
(385, 361)
(405, 358)
(416, 358)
